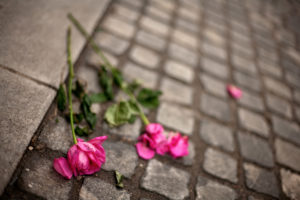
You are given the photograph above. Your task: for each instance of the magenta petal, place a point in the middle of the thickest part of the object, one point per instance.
(162, 148)
(98, 140)
(61, 165)
(234, 91)
(144, 151)
(154, 128)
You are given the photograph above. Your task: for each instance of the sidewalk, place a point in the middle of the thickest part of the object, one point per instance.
(190, 50)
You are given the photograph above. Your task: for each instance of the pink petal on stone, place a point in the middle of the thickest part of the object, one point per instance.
(144, 151)
(154, 128)
(234, 91)
(61, 165)
(162, 148)
(178, 145)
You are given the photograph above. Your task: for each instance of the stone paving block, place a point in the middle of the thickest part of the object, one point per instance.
(118, 27)
(57, 135)
(277, 87)
(293, 79)
(111, 43)
(176, 117)
(128, 131)
(240, 38)
(166, 180)
(172, 88)
(179, 70)
(286, 129)
(253, 122)
(270, 68)
(214, 86)
(150, 40)
(244, 65)
(42, 180)
(217, 135)
(168, 6)
(214, 37)
(247, 81)
(290, 184)
(23, 104)
(215, 68)
(158, 13)
(135, 4)
(94, 59)
(154, 26)
(297, 112)
(297, 96)
(215, 107)
(186, 25)
(214, 51)
(134, 72)
(279, 105)
(89, 75)
(240, 50)
(220, 164)
(186, 39)
(121, 157)
(215, 24)
(287, 154)
(256, 149)
(183, 54)
(94, 188)
(32, 44)
(207, 189)
(144, 56)
(261, 180)
(125, 12)
(252, 101)
(188, 14)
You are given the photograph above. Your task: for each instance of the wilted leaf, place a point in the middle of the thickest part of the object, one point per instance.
(79, 89)
(82, 131)
(61, 98)
(98, 98)
(117, 76)
(149, 98)
(89, 116)
(119, 179)
(106, 83)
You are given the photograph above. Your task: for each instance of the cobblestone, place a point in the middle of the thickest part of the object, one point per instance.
(220, 165)
(279, 105)
(244, 65)
(287, 154)
(256, 149)
(207, 189)
(89, 75)
(215, 68)
(186, 39)
(261, 180)
(154, 26)
(183, 54)
(168, 181)
(293, 79)
(120, 157)
(95, 188)
(290, 184)
(252, 101)
(214, 51)
(214, 86)
(217, 135)
(270, 68)
(179, 70)
(247, 81)
(214, 37)
(277, 87)
(253, 122)
(186, 25)
(119, 27)
(158, 13)
(144, 57)
(150, 40)
(125, 12)
(215, 107)
(297, 96)
(176, 117)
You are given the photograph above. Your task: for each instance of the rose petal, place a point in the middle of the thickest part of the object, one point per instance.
(162, 148)
(61, 165)
(234, 91)
(144, 151)
(154, 128)
(178, 145)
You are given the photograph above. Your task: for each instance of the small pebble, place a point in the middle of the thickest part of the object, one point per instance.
(30, 148)
(27, 169)
(29, 185)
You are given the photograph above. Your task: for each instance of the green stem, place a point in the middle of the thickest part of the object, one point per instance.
(71, 75)
(97, 50)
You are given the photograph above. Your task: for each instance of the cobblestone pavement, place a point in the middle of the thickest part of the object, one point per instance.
(189, 49)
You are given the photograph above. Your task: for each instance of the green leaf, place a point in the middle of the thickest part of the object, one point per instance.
(98, 98)
(121, 113)
(119, 179)
(134, 108)
(149, 98)
(132, 119)
(82, 131)
(117, 76)
(77, 117)
(110, 115)
(79, 89)
(61, 98)
(89, 116)
(106, 83)
(133, 86)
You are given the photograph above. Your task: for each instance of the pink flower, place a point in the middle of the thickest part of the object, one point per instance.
(234, 91)
(61, 165)
(143, 147)
(83, 158)
(178, 145)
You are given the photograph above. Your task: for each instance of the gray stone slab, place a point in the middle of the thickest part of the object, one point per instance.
(252, 101)
(23, 104)
(279, 105)
(39, 177)
(94, 188)
(89, 75)
(244, 65)
(183, 54)
(186, 25)
(297, 96)
(215, 68)
(179, 70)
(213, 85)
(293, 79)
(172, 88)
(277, 87)
(166, 180)
(253, 122)
(290, 183)
(286, 129)
(256, 149)
(220, 164)
(215, 107)
(270, 68)
(184, 38)
(150, 40)
(35, 44)
(217, 135)
(154, 26)
(214, 51)
(176, 118)
(261, 180)
(121, 157)
(158, 13)
(125, 12)
(208, 189)
(247, 81)
(287, 154)
(145, 57)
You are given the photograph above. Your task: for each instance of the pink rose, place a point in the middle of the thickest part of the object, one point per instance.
(178, 145)
(234, 91)
(143, 147)
(83, 158)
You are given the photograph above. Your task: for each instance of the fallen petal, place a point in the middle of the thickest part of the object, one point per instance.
(234, 91)
(144, 151)
(61, 165)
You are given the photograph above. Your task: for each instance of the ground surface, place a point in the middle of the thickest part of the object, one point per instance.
(239, 149)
